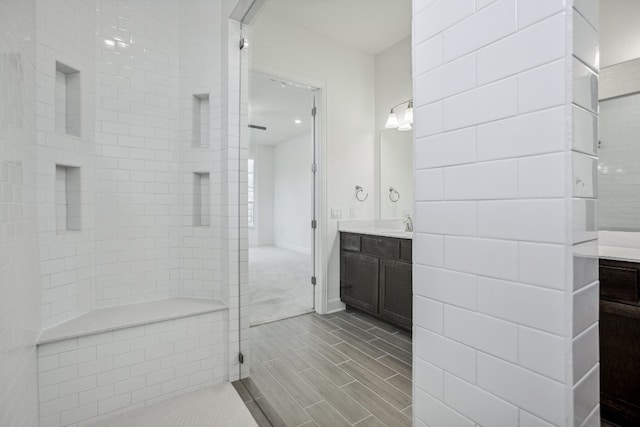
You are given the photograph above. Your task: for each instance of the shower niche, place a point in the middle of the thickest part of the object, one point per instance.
(68, 199)
(201, 199)
(201, 122)
(67, 102)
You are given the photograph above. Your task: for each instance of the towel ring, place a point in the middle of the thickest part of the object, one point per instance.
(359, 192)
(394, 196)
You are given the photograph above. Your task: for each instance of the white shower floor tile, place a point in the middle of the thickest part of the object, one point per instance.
(211, 407)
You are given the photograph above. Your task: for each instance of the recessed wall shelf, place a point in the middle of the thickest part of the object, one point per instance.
(201, 123)
(201, 199)
(68, 199)
(67, 104)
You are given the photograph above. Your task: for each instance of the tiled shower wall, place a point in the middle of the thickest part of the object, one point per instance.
(504, 314)
(138, 195)
(201, 251)
(20, 290)
(66, 35)
(140, 65)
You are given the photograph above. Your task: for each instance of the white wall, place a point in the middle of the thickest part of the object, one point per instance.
(262, 234)
(505, 271)
(292, 194)
(19, 283)
(619, 31)
(348, 75)
(394, 82)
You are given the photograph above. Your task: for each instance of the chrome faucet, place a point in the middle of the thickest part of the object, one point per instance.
(408, 223)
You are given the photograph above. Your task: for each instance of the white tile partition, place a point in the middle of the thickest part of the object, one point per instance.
(514, 343)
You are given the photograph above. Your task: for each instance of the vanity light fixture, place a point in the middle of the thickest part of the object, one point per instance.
(297, 121)
(407, 120)
(392, 121)
(405, 126)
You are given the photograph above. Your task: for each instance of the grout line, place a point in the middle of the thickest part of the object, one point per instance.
(280, 332)
(382, 398)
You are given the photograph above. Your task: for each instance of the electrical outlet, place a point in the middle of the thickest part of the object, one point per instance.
(336, 213)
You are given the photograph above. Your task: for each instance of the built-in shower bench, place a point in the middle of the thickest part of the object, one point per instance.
(115, 359)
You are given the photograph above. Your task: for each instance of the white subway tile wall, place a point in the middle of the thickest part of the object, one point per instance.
(620, 79)
(494, 188)
(66, 155)
(20, 289)
(92, 378)
(140, 64)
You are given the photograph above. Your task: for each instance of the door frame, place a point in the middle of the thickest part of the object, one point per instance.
(321, 255)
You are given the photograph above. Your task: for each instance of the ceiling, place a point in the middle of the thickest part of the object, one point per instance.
(369, 25)
(276, 105)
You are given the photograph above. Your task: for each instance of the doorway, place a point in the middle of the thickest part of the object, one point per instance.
(281, 197)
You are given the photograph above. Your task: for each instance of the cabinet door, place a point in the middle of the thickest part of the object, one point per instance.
(359, 281)
(396, 292)
(619, 362)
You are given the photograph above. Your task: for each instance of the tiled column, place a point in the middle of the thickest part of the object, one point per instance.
(505, 186)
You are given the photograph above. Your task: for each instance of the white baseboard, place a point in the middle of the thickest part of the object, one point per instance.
(335, 305)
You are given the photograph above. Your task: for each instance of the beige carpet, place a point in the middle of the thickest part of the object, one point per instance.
(211, 407)
(279, 284)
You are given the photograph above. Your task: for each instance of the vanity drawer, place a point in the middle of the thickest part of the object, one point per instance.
(350, 242)
(619, 281)
(383, 247)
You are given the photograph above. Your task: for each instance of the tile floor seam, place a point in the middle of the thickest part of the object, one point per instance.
(374, 392)
(308, 326)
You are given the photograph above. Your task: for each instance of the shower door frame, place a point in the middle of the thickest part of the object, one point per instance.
(243, 14)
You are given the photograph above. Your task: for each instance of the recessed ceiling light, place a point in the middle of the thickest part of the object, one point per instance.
(297, 121)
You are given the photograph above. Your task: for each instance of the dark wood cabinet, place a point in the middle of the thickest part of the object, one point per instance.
(358, 272)
(620, 342)
(376, 276)
(395, 294)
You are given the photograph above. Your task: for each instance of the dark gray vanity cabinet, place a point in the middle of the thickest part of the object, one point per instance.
(620, 342)
(357, 273)
(376, 276)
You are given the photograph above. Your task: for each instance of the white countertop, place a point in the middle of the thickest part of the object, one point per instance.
(385, 228)
(619, 254)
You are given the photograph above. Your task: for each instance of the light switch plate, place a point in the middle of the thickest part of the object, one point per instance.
(336, 213)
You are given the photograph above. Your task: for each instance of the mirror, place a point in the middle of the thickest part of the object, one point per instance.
(618, 164)
(396, 173)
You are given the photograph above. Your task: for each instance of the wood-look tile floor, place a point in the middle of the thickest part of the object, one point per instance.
(342, 369)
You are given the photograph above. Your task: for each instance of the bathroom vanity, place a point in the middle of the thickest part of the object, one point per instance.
(375, 274)
(620, 341)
